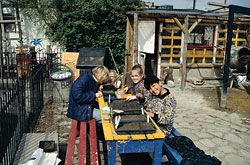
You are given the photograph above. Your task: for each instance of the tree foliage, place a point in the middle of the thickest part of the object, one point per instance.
(83, 23)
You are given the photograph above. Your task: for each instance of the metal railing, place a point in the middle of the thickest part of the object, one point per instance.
(8, 70)
(21, 102)
(12, 123)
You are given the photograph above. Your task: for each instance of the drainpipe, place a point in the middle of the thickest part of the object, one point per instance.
(194, 3)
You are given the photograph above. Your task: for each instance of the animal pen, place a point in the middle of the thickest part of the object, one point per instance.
(192, 42)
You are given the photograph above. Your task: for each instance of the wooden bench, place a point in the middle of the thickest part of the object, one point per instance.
(80, 129)
(172, 154)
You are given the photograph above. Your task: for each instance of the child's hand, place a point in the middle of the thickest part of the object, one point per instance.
(150, 114)
(125, 89)
(130, 98)
(139, 95)
(98, 94)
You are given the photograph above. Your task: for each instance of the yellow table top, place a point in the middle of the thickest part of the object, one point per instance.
(109, 130)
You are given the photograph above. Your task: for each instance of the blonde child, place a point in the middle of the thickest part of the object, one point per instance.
(83, 93)
(114, 77)
(137, 88)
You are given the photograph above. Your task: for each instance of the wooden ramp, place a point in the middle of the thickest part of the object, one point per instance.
(30, 142)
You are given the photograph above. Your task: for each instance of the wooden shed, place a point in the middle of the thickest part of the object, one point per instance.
(177, 37)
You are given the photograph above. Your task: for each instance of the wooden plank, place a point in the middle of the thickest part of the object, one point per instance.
(82, 148)
(136, 54)
(170, 37)
(70, 59)
(184, 55)
(138, 136)
(171, 49)
(225, 31)
(108, 134)
(105, 120)
(93, 142)
(71, 143)
(170, 28)
(183, 28)
(204, 56)
(193, 55)
(149, 136)
(158, 66)
(169, 46)
(158, 134)
(194, 25)
(122, 137)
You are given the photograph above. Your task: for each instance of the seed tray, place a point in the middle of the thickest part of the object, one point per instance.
(133, 118)
(122, 104)
(136, 128)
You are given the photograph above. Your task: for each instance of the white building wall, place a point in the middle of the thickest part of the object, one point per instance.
(33, 35)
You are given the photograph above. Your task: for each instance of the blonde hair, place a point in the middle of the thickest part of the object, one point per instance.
(101, 74)
(113, 75)
(138, 68)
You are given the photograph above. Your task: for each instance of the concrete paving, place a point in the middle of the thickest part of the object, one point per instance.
(221, 134)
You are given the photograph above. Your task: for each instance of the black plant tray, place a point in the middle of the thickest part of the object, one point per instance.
(135, 128)
(133, 118)
(47, 146)
(131, 112)
(122, 104)
(108, 87)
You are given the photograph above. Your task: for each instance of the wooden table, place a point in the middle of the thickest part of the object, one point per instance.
(130, 143)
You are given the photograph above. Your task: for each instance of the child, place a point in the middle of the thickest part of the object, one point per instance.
(137, 88)
(160, 104)
(83, 93)
(114, 78)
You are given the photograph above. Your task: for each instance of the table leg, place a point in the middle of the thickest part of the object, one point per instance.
(157, 152)
(111, 147)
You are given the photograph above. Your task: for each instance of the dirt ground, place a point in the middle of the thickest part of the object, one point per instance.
(47, 122)
(238, 100)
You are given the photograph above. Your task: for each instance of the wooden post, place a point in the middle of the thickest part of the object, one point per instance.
(135, 39)
(184, 50)
(215, 43)
(186, 31)
(127, 46)
(184, 56)
(129, 52)
(159, 55)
